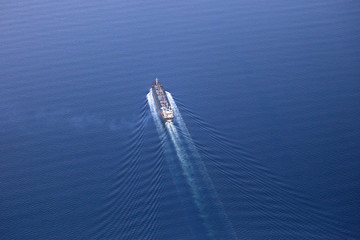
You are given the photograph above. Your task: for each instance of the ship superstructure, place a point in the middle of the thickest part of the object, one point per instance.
(162, 102)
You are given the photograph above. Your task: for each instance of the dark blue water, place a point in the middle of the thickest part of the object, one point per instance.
(265, 143)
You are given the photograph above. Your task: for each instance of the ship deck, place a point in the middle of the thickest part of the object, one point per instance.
(161, 95)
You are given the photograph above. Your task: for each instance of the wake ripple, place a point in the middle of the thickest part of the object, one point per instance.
(204, 195)
(275, 201)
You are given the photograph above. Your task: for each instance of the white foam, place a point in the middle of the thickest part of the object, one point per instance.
(186, 159)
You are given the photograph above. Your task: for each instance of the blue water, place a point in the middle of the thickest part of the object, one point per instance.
(265, 143)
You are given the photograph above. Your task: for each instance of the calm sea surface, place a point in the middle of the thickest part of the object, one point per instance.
(265, 143)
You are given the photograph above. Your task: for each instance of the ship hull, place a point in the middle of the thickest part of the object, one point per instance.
(162, 103)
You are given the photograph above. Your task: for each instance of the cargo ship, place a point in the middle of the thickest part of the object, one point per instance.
(162, 102)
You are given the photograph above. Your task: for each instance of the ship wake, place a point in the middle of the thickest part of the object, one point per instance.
(194, 171)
